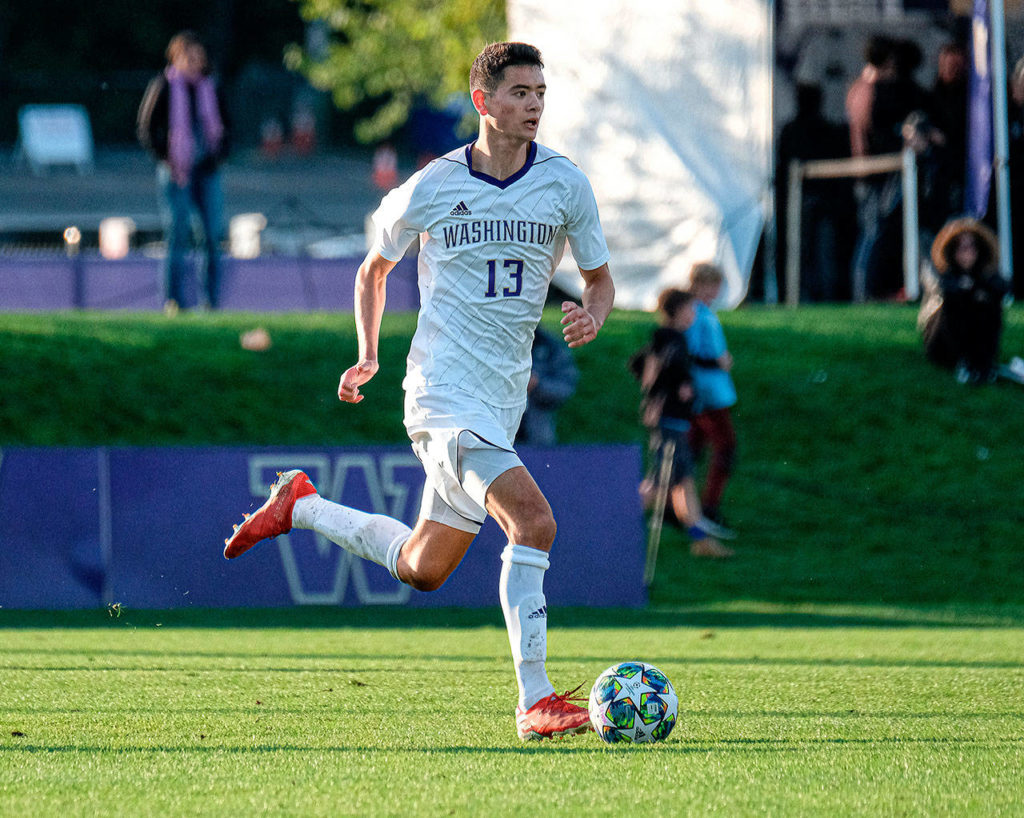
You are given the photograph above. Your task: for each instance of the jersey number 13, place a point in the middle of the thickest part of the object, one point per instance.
(513, 272)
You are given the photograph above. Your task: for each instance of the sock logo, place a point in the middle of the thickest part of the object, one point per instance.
(540, 613)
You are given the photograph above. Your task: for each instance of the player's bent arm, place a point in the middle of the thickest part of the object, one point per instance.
(582, 323)
(598, 293)
(370, 296)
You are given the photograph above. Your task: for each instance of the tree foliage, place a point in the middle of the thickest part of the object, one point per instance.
(395, 53)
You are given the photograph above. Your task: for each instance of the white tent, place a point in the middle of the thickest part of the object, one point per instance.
(666, 106)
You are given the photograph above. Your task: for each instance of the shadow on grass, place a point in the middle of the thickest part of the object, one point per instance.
(668, 746)
(414, 663)
(750, 615)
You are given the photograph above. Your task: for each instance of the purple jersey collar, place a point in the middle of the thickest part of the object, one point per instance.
(531, 154)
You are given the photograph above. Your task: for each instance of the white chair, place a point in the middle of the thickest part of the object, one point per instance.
(55, 135)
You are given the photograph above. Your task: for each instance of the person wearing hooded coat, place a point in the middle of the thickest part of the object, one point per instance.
(961, 316)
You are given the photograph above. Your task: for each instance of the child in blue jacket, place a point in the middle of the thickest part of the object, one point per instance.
(715, 393)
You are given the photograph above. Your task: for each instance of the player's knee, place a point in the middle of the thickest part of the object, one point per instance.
(535, 528)
(427, 582)
(423, 575)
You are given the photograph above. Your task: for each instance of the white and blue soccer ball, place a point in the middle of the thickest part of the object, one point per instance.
(633, 702)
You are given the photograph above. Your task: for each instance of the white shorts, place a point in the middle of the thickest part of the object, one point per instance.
(463, 444)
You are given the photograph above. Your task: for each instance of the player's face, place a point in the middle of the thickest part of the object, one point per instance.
(515, 106)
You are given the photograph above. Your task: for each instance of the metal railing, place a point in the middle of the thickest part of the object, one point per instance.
(854, 168)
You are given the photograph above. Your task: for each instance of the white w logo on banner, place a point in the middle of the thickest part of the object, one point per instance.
(387, 495)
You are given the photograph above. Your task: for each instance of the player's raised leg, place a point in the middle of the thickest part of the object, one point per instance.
(430, 555)
(294, 502)
(519, 507)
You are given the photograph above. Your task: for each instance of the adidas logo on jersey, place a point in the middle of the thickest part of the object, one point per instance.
(461, 210)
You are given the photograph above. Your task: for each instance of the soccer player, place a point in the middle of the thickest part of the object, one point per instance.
(493, 218)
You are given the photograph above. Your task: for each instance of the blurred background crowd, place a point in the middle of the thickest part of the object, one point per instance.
(850, 78)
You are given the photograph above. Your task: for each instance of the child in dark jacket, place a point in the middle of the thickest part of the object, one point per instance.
(664, 370)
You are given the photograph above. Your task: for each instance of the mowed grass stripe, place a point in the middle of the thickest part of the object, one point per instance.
(839, 721)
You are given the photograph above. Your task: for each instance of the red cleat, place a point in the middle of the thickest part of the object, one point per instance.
(273, 517)
(554, 716)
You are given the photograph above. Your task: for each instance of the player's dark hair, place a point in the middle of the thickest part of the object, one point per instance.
(672, 300)
(489, 66)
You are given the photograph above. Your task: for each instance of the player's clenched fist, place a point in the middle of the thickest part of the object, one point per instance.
(353, 378)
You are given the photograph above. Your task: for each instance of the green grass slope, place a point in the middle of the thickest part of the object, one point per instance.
(865, 475)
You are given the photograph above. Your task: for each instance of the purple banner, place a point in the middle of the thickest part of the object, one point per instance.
(145, 528)
(979, 115)
(51, 542)
(268, 284)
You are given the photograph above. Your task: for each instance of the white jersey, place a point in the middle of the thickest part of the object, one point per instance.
(488, 251)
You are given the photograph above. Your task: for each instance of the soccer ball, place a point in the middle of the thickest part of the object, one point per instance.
(633, 702)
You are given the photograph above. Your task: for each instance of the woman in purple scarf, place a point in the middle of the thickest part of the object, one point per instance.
(182, 122)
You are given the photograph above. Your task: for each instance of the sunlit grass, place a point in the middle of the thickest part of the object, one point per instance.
(310, 714)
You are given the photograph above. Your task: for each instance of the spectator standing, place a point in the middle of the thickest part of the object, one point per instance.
(1016, 128)
(664, 368)
(553, 379)
(897, 95)
(949, 96)
(183, 122)
(715, 393)
(879, 63)
(961, 316)
(826, 204)
(871, 192)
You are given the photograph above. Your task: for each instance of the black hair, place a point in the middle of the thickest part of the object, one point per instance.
(878, 50)
(672, 300)
(489, 66)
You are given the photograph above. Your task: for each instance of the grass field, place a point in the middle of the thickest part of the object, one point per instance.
(328, 713)
(860, 656)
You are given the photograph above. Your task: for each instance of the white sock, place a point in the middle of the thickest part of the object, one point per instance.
(521, 591)
(373, 537)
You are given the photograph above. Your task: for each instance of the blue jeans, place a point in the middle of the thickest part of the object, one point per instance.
(204, 195)
(877, 200)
